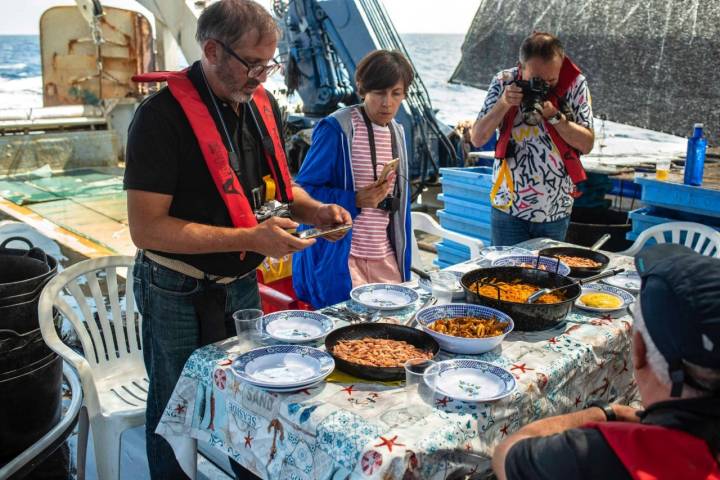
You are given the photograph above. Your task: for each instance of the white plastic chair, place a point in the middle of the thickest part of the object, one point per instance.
(112, 371)
(425, 223)
(701, 238)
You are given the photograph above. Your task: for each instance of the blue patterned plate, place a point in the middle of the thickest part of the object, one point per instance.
(471, 380)
(625, 297)
(493, 253)
(473, 346)
(290, 389)
(297, 326)
(384, 296)
(529, 261)
(629, 280)
(283, 366)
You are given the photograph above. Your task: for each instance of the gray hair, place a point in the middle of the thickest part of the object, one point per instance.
(705, 377)
(229, 20)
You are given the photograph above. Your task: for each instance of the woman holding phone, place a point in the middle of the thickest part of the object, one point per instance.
(358, 160)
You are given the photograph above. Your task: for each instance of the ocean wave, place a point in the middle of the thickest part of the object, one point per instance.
(13, 66)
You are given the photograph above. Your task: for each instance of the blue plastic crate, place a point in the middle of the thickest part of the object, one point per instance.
(644, 218)
(462, 191)
(450, 255)
(441, 264)
(466, 208)
(477, 177)
(468, 226)
(681, 197)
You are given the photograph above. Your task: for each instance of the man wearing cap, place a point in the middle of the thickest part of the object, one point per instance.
(676, 357)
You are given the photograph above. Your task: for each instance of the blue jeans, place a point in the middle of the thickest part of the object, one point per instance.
(508, 230)
(171, 333)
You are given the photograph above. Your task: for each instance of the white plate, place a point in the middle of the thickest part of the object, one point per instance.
(471, 380)
(283, 366)
(297, 326)
(290, 389)
(384, 296)
(493, 253)
(628, 280)
(625, 297)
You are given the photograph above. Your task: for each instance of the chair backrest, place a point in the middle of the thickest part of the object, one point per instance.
(100, 305)
(701, 238)
(425, 223)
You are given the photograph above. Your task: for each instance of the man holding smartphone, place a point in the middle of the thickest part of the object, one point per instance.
(198, 154)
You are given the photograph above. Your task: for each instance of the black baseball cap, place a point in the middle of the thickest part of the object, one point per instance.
(680, 300)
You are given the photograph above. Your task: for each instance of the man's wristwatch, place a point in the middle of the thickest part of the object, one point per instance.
(606, 408)
(555, 119)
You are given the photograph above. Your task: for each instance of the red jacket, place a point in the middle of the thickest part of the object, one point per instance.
(651, 452)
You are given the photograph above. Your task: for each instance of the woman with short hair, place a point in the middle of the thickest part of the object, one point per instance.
(344, 165)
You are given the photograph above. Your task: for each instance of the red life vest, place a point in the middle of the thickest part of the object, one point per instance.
(571, 158)
(651, 452)
(215, 152)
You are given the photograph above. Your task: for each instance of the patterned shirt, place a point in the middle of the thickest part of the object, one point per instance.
(370, 236)
(542, 186)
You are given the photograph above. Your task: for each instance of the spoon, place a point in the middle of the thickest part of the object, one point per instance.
(608, 273)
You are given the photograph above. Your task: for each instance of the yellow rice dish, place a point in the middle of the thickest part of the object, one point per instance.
(601, 300)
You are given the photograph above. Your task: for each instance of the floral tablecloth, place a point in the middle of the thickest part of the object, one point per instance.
(367, 430)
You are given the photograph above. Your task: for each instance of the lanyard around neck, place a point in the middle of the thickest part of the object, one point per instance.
(232, 154)
(371, 141)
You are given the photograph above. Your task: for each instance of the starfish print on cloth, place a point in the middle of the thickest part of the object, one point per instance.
(389, 443)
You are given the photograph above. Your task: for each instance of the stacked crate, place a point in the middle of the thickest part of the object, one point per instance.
(674, 202)
(466, 195)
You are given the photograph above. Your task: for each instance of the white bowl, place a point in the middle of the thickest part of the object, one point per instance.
(453, 344)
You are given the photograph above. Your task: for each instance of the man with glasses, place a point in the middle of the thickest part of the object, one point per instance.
(676, 361)
(209, 196)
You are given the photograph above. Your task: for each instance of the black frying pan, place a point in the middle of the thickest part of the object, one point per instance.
(579, 272)
(388, 331)
(526, 316)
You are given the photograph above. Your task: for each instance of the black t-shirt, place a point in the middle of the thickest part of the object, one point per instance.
(163, 156)
(583, 453)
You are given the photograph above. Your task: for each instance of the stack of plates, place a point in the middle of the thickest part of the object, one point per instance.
(283, 368)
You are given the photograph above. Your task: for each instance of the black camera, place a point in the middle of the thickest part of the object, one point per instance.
(273, 208)
(389, 204)
(535, 92)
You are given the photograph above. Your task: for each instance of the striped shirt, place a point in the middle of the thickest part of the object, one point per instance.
(370, 236)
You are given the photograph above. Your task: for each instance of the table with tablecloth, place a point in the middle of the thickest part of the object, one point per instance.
(357, 429)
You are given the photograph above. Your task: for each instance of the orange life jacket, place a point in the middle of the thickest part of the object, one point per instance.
(216, 154)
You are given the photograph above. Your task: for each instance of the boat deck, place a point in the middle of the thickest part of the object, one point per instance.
(84, 210)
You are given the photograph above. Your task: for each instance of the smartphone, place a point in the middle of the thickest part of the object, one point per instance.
(391, 166)
(321, 231)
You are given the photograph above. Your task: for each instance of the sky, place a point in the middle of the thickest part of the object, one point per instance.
(409, 16)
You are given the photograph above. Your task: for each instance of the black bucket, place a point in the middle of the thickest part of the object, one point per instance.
(30, 373)
(22, 271)
(587, 225)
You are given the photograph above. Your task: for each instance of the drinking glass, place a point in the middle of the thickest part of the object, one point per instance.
(443, 286)
(248, 323)
(662, 169)
(420, 384)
